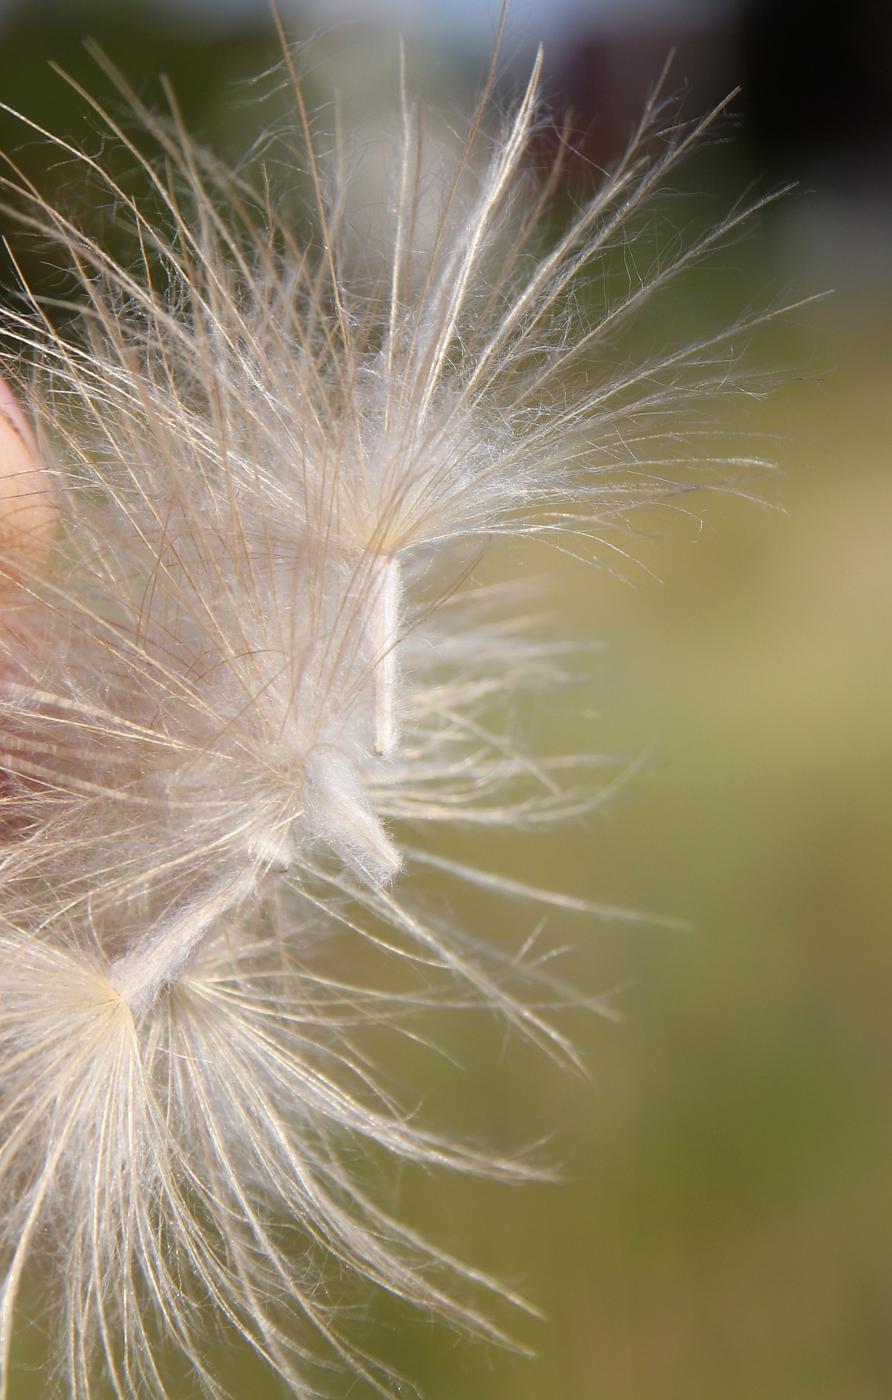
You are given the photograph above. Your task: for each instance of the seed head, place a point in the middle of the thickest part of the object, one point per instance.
(251, 677)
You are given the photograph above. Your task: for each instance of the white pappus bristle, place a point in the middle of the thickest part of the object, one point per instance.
(242, 675)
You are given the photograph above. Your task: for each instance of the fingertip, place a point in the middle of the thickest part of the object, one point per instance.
(27, 508)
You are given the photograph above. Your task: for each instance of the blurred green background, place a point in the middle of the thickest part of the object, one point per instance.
(724, 1226)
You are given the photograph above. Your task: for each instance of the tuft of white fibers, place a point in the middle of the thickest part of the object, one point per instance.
(251, 677)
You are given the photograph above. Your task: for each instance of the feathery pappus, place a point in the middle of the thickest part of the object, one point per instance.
(244, 669)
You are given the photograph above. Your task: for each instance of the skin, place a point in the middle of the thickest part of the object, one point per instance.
(27, 511)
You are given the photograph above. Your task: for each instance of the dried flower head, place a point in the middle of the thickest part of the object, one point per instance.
(249, 675)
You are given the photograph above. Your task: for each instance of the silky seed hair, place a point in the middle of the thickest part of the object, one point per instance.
(247, 674)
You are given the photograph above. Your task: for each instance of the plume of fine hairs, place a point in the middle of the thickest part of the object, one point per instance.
(244, 680)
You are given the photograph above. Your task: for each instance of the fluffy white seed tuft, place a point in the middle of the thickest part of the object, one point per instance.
(249, 680)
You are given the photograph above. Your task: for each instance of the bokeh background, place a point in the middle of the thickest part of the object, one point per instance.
(724, 1226)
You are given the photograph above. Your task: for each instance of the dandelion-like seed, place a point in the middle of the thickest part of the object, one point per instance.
(241, 673)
